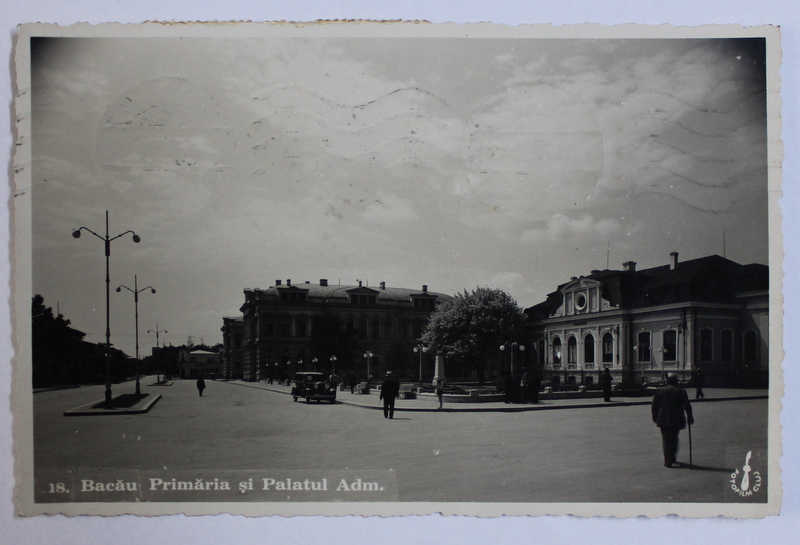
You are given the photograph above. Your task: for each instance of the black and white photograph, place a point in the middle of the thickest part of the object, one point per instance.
(360, 268)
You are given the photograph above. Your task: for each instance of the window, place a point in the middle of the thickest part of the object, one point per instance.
(670, 340)
(572, 350)
(556, 350)
(350, 326)
(300, 327)
(751, 346)
(363, 299)
(726, 345)
(293, 297)
(588, 349)
(417, 329)
(269, 328)
(286, 328)
(376, 328)
(420, 302)
(404, 328)
(580, 302)
(387, 328)
(643, 346)
(608, 348)
(362, 327)
(706, 345)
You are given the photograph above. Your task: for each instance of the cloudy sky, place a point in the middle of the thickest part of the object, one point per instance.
(456, 163)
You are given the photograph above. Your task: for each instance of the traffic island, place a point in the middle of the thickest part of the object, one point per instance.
(121, 405)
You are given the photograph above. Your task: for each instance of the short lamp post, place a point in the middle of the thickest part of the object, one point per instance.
(107, 242)
(136, 291)
(368, 355)
(421, 349)
(512, 346)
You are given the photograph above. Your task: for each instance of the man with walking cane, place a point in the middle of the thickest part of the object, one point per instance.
(668, 408)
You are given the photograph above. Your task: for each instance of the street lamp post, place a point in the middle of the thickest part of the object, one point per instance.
(314, 361)
(421, 349)
(107, 242)
(369, 356)
(136, 291)
(157, 331)
(512, 345)
(333, 365)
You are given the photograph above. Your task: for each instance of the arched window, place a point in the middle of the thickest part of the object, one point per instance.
(300, 327)
(572, 350)
(608, 348)
(557, 350)
(362, 327)
(376, 328)
(387, 328)
(588, 349)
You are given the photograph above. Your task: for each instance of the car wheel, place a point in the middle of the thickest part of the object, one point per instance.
(294, 398)
(308, 399)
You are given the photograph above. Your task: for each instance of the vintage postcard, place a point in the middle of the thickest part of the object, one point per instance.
(397, 268)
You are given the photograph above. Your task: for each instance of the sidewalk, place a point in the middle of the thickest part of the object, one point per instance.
(429, 402)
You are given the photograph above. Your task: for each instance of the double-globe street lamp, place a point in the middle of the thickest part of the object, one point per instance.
(512, 346)
(158, 352)
(368, 355)
(107, 243)
(421, 349)
(333, 365)
(136, 291)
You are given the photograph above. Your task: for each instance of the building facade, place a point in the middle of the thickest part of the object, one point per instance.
(351, 330)
(231, 353)
(709, 314)
(199, 364)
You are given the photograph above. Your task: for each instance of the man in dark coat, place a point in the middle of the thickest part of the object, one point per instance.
(201, 385)
(389, 392)
(605, 383)
(668, 408)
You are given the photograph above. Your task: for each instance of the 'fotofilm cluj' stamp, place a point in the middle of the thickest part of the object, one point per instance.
(400, 268)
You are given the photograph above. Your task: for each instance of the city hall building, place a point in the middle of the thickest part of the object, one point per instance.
(351, 330)
(710, 314)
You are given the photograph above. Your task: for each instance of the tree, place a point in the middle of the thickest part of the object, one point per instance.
(472, 326)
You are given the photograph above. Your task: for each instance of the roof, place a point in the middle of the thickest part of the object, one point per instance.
(339, 293)
(708, 279)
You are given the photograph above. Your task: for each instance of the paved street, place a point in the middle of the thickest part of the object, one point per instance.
(602, 454)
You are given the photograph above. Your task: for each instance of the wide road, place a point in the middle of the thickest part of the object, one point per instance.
(605, 454)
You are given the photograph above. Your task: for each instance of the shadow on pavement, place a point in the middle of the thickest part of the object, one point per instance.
(695, 467)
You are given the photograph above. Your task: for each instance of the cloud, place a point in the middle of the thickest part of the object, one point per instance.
(563, 228)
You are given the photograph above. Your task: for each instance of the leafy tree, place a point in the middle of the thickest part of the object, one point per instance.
(472, 326)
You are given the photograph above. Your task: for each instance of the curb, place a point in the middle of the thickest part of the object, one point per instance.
(512, 409)
(87, 410)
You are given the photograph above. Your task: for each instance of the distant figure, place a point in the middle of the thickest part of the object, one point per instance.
(605, 383)
(508, 386)
(668, 408)
(201, 385)
(440, 390)
(352, 380)
(524, 386)
(699, 381)
(389, 391)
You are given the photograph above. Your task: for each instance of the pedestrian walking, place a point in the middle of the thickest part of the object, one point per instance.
(605, 383)
(390, 389)
(699, 381)
(440, 390)
(524, 386)
(671, 411)
(201, 385)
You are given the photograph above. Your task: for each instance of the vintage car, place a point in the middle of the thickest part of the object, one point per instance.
(313, 386)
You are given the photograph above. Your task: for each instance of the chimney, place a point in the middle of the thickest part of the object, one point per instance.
(595, 271)
(674, 261)
(277, 282)
(629, 266)
(288, 281)
(323, 282)
(383, 285)
(424, 288)
(359, 283)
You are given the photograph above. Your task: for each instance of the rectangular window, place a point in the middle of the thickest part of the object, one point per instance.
(643, 347)
(670, 345)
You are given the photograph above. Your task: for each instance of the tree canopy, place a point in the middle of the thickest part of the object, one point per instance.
(473, 325)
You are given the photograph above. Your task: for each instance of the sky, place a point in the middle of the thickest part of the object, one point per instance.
(508, 163)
